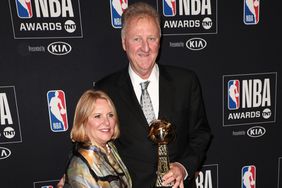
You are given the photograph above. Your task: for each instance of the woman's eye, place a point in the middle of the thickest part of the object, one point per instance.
(97, 116)
(111, 115)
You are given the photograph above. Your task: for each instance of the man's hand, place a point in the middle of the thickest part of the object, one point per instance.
(61, 182)
(175, 175)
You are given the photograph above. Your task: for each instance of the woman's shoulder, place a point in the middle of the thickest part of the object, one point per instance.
(76, 164)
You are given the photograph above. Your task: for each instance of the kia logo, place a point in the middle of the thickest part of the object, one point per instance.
(196, 44)
(4, 153)
(59, 48)
(256, 131)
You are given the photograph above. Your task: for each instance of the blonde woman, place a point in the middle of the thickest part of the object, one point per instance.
(95, 161)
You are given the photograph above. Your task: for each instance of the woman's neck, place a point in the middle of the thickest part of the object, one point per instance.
(104, 147)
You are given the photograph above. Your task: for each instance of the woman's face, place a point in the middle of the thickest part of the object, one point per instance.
(101, 123)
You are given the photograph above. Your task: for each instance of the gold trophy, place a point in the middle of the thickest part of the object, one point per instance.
(161, 132)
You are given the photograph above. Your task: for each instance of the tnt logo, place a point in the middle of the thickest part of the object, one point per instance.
(249, 176)
(207, 23)
(233, 94)
(169, 7)
(251, 12)
(24, 8)
(117, 8)
(57, 110)
(9, 132)
(70, 26)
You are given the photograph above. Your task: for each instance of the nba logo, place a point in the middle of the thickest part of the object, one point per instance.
(24, 8)
(169, 7)
(251, 12)
(117, 8)
(48, 186)
(57, 110)
(233, 94)
(249, 176)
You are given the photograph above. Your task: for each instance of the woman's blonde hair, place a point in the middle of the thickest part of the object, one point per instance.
(84, 109)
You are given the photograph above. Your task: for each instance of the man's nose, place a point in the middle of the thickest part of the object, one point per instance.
(145, 46)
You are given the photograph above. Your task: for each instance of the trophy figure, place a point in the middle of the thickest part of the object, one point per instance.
(161, 132)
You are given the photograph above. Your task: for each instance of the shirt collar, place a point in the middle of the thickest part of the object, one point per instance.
(136, 80)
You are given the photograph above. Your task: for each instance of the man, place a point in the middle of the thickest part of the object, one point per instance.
(175, 96)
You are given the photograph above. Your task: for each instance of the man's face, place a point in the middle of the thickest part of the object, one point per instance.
(141, 41)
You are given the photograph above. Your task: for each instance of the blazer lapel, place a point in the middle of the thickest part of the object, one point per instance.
(127, 94)
(166, 93)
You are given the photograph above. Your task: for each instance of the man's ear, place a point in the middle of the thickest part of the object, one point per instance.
(123, 43)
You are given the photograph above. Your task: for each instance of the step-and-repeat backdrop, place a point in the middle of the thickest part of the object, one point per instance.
(53, 50)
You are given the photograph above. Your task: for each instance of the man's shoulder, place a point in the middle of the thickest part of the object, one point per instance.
(175, 71)
(111, 78)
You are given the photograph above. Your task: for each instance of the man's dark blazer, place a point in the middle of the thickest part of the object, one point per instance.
(180, 102)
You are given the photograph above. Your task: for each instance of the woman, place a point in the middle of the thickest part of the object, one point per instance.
(95, 162)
